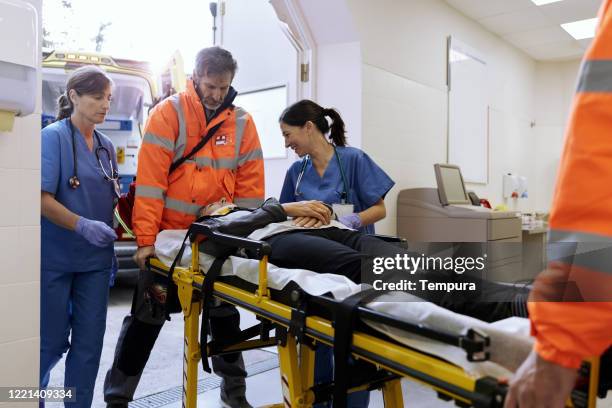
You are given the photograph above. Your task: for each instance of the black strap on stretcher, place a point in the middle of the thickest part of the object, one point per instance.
(217, 347)
(193, 229)
(242, 341)
(299, 313)
(226, 245)
(176, 260)
(474, 342)
(345, 320)
(207, 299)
(207, 289)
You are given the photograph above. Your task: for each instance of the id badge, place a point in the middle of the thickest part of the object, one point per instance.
(343, 209)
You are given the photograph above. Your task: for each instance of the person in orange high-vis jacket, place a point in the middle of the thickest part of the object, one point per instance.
(571, 303)
(228, 167)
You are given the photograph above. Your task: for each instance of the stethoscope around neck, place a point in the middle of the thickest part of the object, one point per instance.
(305, 160)
(74, 181)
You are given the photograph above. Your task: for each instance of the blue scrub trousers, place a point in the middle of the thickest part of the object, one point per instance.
(73, 303)
(323, 373)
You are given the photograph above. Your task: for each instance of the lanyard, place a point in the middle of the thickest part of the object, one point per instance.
(343, 195)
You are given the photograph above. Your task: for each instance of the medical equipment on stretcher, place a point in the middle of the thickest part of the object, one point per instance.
(301, 321)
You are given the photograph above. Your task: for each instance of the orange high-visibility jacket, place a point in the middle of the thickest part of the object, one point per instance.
(229, 166)
(581, 215)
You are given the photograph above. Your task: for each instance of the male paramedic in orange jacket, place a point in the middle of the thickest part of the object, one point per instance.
(571, 308)
(229, 166)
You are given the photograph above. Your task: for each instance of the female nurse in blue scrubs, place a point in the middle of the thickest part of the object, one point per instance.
(331, 172)
(78, 192)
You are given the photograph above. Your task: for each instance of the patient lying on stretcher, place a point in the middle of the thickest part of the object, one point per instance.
(338, 254)
(311, 240)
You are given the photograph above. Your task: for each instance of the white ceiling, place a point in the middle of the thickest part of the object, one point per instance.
(534, 29)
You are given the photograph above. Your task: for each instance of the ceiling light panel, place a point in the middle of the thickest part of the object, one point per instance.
(581, 29)
(543, 2)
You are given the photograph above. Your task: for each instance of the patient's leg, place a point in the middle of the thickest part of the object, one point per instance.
(491, 302)
(351, 253)
(308, 250)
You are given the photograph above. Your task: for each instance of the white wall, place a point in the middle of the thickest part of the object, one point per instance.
(405, 98)
(339, 84)
(265, 58)
(248, 24)
(338, 70)
(20, 248)
(555, 88)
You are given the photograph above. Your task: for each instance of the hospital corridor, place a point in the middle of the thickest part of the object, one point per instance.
(306, 203)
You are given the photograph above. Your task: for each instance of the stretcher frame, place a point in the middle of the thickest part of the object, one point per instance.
(296, 361)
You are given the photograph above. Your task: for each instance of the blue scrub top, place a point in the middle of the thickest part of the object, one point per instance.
(62, 249)
(367, 183)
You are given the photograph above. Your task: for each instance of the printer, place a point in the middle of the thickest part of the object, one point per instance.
(443, 218)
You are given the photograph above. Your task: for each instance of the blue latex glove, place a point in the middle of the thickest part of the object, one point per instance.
(95, 232)
(351, 220)
(113, 272)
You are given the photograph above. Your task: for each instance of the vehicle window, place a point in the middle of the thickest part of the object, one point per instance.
(131, 96)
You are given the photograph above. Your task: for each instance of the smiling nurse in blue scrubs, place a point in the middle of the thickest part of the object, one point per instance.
(330, 171)
(343, 177)
(78, 192)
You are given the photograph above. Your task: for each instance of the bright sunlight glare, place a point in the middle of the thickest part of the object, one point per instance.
(147, 30)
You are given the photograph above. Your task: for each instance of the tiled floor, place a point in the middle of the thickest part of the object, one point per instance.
(164, 369)
(264, 389)
(163, 373)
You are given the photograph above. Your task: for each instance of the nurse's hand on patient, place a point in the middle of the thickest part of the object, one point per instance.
(308, 209)
(307, 222)
(95, 232)
(142, 254)
(351, 220)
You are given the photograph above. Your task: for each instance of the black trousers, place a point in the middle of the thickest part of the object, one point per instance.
(140, 331)
(135, 348)
(351, 254)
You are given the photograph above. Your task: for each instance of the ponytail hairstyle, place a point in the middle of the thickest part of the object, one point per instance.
(306, 110)
(64, 107)
(87, 80)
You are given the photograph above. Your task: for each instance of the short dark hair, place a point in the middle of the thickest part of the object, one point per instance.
(87, 80)
(214, 61)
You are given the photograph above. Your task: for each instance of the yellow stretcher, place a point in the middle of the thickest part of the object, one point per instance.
(296, 358)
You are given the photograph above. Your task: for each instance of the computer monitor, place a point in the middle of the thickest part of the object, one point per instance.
(451, 188)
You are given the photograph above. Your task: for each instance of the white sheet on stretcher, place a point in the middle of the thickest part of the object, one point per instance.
(510, 341)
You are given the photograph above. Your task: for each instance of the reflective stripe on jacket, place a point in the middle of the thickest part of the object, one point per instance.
(580, 241)
(229, 166)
